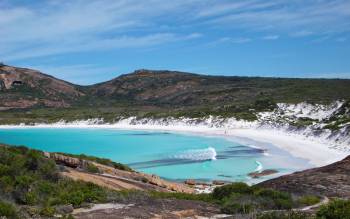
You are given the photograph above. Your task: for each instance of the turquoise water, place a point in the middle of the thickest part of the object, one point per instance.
(169, 155)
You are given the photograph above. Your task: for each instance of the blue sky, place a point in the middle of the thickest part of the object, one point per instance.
(89, 41)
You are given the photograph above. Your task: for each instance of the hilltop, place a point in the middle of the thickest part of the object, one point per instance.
(26, 88)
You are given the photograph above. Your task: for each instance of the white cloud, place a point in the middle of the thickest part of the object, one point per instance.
(302, 33)
(317, 16)
(238, 40)
(271, 37)
(95, 44)
(241, 40)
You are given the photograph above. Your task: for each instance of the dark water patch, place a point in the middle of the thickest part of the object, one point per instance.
(239, 147)
(163, 162)
(242, 152)
(226, 176)
(246, 150)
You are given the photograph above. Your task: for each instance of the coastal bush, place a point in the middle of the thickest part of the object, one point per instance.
(239, 198)
(309, 200)
(248, 116)
(77, 192)
(264, 104)
(47, 211)
(226, 190)
(92, 168)
(238, 203)
(336, 209)
(302, 122)
(7, 210)
(29, 178)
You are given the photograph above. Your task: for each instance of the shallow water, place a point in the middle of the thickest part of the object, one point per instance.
(170, 155)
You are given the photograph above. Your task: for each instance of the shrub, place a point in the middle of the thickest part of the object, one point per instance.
(273, 194)
(29, 178)
(336, 209)
(7, 210)
(31, 198)
(47, 211)
(241, 198)
(264, 104)
(309, 200)
(226, 190)
(92, 168)
(6, 184)
(272, 199)
(74, 198)
(4, 169)
(238, 203)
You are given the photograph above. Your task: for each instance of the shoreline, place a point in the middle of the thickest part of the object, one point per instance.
(316, 153)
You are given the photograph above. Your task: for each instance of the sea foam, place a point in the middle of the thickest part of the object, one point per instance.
(198, 154)
(259, 167)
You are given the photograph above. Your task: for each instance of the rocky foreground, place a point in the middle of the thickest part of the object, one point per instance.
(331, 181)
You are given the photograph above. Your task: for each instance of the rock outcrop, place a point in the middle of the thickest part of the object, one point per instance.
(332, 181)
(262, 173)
(113, 178)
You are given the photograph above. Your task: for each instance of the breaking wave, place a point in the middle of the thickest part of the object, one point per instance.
(198, 154)
(259, 166)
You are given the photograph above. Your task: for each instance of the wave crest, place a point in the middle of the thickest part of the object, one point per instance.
(198, 154)
(259, 167)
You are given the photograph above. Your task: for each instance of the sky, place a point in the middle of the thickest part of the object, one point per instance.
(90, 41)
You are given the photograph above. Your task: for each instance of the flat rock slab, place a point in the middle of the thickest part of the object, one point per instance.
(151, 208)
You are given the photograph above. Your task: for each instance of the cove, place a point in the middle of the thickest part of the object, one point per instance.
(172, 156)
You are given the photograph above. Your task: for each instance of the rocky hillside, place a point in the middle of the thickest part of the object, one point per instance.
(185, 89)
(26, 88)
(332, 181)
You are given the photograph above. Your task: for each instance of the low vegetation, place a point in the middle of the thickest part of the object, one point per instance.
(27, 178)
(239, 198)
(7, 210)
(337, 209)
